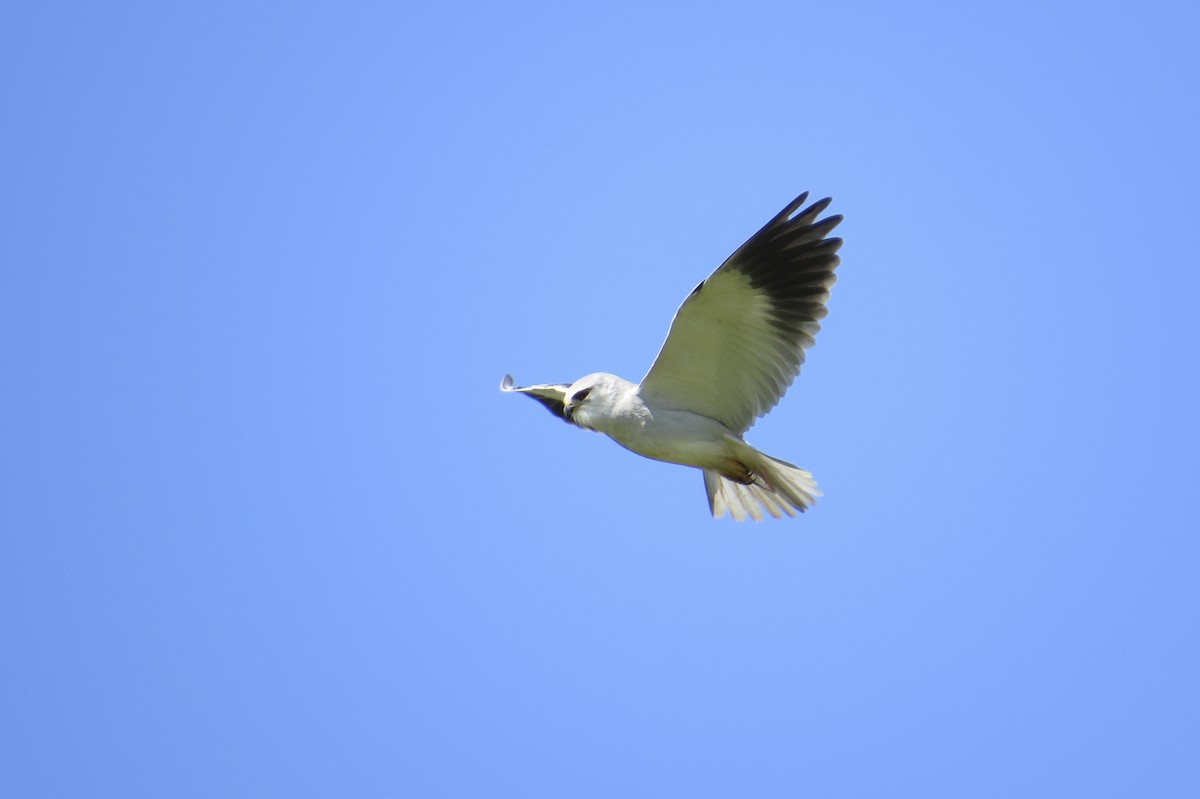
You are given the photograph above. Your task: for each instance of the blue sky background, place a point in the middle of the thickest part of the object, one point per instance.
(269, 529)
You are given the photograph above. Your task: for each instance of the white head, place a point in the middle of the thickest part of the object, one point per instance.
(594, 399)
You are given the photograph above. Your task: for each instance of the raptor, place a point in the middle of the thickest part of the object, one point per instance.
(734, 347)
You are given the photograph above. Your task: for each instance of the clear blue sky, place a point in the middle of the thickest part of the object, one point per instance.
(269, 529)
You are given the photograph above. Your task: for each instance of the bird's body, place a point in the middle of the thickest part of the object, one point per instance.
(616, 409)
(735, 346)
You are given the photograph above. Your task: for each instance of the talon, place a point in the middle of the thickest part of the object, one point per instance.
(738, 472)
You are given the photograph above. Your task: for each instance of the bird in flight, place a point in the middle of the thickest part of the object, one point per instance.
(735, 346)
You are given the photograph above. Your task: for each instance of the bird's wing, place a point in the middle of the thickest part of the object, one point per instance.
(738, 340)
(553, 396)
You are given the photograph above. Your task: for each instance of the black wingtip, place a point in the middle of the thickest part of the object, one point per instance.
(787, 212)
(809, 215)
(789, 219)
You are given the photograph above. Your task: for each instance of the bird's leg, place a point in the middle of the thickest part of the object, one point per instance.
(738, 472)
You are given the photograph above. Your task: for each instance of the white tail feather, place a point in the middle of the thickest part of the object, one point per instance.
(778, 487)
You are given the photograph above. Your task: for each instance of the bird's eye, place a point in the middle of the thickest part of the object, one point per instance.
(581, 394)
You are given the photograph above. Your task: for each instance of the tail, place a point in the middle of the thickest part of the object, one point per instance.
(775, 485)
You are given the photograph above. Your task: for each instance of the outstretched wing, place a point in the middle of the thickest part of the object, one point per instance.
(553, 396)
(738, 340)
